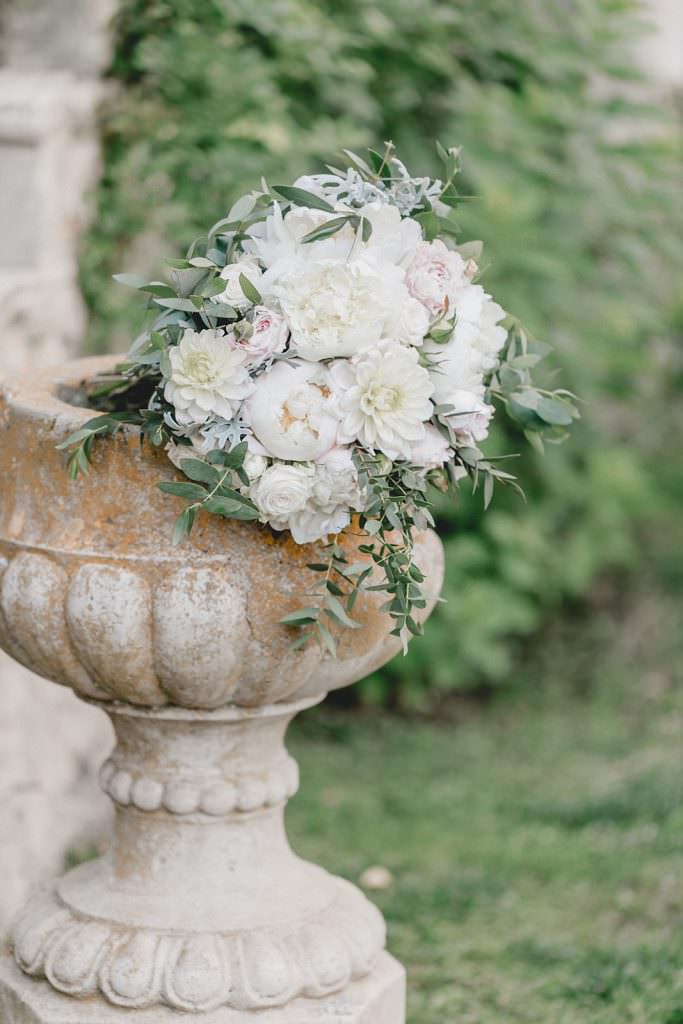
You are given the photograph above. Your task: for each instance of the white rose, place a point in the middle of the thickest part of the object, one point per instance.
(432, 451)
(336, 308)
(384, 399)
(292, 412)
(281, 492)
(207, 378)
(268, 335)
(436, 275)
(233, 294)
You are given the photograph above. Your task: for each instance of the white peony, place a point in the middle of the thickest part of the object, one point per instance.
(335, 308)
(477, 324)
(207, 377)
(384, 399)
(281, 492)
(233, 294)
(268, 335)
(278, 240)
(393, 238)
(455, 366)
(432, 451)
(490, 337)
(293, 412)
(436, 276)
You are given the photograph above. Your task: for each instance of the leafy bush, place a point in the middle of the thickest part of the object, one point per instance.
(575, 206)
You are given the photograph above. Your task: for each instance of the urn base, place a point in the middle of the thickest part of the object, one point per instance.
(378, 998)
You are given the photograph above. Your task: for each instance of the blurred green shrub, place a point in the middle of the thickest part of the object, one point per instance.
(575, 206)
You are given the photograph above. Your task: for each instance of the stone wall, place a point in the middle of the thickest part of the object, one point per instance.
(52, 53)
(661, 51)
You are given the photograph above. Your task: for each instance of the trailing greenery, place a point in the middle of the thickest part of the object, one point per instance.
(575, 205)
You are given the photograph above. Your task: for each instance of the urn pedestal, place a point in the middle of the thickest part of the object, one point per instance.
(199, 906)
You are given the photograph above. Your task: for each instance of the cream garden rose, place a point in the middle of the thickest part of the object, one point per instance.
(261, 338)
(281, 492)
(206, 377)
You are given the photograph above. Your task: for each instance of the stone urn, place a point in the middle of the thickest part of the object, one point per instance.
(199, 906)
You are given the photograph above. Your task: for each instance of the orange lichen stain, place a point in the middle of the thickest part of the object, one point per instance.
(17, 522)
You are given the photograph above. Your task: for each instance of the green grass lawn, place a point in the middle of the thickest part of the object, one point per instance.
(536, 848)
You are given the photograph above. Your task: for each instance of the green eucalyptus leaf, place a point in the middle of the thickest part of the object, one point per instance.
(300, 197)
(200, 471)
(130, 280)
(194, 492)
(250, 291)
(555, 411)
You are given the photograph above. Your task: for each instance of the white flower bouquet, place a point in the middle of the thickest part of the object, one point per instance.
(324, 357)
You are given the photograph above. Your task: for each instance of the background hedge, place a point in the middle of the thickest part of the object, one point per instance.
(576, 205)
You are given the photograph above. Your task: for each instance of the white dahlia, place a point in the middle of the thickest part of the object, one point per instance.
(207, 378)
(384, 399)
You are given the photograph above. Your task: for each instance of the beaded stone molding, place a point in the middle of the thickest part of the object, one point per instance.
(216, 798)
(255, 970)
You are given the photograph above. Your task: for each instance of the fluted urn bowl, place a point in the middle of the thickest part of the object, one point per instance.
(183, 647)
(94, 595)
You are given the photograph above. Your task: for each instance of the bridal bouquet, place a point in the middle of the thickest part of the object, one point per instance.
(321, 359)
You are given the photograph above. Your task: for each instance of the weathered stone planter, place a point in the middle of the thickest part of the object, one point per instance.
(199, 904)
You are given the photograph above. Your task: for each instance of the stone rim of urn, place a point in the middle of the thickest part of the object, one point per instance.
(199, 902)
